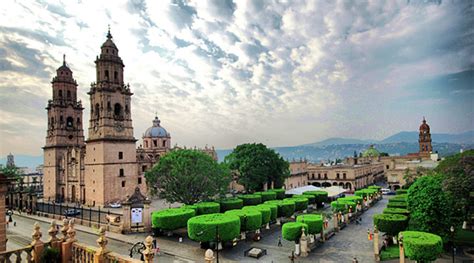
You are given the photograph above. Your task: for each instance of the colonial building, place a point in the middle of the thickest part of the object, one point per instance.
(107, 166)
(298, 174)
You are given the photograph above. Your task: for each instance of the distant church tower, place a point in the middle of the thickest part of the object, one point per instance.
(10, 160)
(64, 139)
(111, 168)
(425, 138)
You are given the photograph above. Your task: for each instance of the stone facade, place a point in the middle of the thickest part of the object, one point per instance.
(298, 175)
(108, 166)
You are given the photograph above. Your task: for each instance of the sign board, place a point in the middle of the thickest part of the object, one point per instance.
(137, 215)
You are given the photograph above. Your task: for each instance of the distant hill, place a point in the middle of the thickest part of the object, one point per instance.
(339, 141)
(466, 137)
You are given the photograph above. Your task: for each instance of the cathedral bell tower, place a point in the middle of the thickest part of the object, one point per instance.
(111, 169)
(425, 138)
(64, 138)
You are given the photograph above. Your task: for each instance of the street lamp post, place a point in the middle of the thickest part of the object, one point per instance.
(452, 239)
(217, 243)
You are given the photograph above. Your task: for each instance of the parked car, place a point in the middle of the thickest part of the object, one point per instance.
(72, 212)
(385, 191)
(115, 205)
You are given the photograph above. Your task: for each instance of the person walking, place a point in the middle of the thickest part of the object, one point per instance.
(279, 241)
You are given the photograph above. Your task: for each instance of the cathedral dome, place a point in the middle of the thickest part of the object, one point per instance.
(371, 152)
(156, 130)
(109, 43)
(424, 126)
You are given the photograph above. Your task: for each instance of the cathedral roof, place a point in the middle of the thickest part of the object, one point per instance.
(64, 66)
(371, 152)
(156, 130)
(109, 43)
(424, 126)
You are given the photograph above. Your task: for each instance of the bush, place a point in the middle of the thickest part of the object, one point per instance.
(250, 219)
(311, 198)
(314, 222)
(250, 199)
(292, 231)
(172, 218)
(280, 193)
(203, 228)
(207, 208)
(401, 191)
(391, 224)
(422, 246)
(50, 255)
(365, 192)
(400, 211)
(273, 210)
(397, 205)
(193, 207)
(402, 197)
(342, 206)
(266, 196)
(301, 203)
(230, 204)
(286, 208)
(356, 199)
(264, 210)
(320, 196)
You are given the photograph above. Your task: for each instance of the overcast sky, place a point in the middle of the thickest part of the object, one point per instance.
(224, 73)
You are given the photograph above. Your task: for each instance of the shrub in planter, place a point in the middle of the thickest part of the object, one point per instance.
(250, 219)
(402, 197)
(250, 199)
(422, 246)
(273, 210)
(314, 222)
(264, 210)
(391, 224)
(342, 205)
(230, 204)
(207, 208)
(321, 196)
(266, 196)
(172, 218)
(311, 198)
(301, 203)
(354, 198)
(280, 193)
(291, 231)
(365, 192)
(203, 228)
(400, 211)
(401, 191)
(194, 207)
(286, 208)
(397, 205)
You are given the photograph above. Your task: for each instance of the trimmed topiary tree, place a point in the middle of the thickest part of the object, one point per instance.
(273, 210)
(280, 193)
(250, 199)
(422, 246)
(250, 219)
(264, 210)
(267, 196)
(194, 207)
(203, 228)
(311, 198)
(230, 204)
(301, 203)
(378, 188)
(320, 196)
(403, 205)
(401, 191)
(365, 192)
(172, 218)
(207, 208)
(314, 222)
(391, 224)
(342, 205)
(353, 198)
(400, 211)
(291, 231)
(286, 208)
(402, 197)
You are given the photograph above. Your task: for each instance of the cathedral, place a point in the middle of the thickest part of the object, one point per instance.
(107, 166)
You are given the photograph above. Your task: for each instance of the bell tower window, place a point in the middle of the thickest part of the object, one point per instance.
(69, 122)
(115, 75)
(106, 75)
(60, 94)
(97, 110)
(117, 110)
(68, 94)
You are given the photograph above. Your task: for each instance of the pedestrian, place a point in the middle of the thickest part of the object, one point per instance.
(354, 260)
(368, 234)
(279, 241)
(14, 223)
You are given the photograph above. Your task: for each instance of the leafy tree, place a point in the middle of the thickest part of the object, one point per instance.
(188, 176)
(11, 171)
(384, 154)
(258, 165)
(410, 176)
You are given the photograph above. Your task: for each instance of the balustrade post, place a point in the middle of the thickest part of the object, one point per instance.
(99, 256)
(148, 253)
(66, 247)
(53, 231)
(37, 244)
(64, 229)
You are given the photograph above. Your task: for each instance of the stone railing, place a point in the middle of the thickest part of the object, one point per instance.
(69, 249)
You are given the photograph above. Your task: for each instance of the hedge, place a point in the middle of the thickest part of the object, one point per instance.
(400, 211)
(354, 198)
(402, 197)
(321, 196)
(311, 198)
(401, 191)
(250, 219)
(280, 193)
(230, 204)
(365, 192)
(397, 205)
(301, 203)
(342, 206)
(203, 228)
(273, 210)
(250, 199)
(422, 246)
(266, 196)
(286, 208)
(172, 218)
(264, 210)
(291, 231)
(194, 207)
(207, 208)
(314, 222)
(391, 224)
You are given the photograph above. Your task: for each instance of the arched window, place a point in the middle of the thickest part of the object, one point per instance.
(68, 94)
(115, 75)
(117, 110)
(106, 75)
(97, 110)
(78, 121)
(69, 122)
(60, 93)
(164, 143)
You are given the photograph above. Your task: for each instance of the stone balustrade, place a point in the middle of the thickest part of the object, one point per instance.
(70, 250)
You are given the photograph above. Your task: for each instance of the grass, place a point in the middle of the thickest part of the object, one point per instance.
(392, 252)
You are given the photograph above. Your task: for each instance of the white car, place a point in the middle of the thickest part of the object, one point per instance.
(385, 191)
(115, 205)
